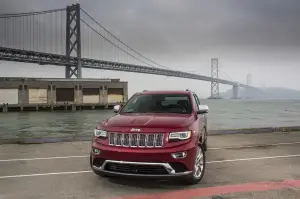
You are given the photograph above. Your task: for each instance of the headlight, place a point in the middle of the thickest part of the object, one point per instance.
(100, 133)
(180, 135)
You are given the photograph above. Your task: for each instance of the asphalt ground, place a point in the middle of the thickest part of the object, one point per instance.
(265, 165)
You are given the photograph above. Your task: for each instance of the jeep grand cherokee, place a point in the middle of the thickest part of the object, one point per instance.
(156, 134)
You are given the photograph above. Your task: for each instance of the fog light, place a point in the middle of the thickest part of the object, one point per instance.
(179, 155)
(96, 151)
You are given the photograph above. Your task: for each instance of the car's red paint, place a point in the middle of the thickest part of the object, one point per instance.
(172, 121)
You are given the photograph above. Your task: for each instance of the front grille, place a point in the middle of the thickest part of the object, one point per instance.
(136, 139)
(136, 169)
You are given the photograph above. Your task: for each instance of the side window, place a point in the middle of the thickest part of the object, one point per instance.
(195, 103)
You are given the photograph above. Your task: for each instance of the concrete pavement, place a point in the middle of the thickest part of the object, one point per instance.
(61, 170)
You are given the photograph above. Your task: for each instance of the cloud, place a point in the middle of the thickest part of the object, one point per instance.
(190, 26)
(187, 26)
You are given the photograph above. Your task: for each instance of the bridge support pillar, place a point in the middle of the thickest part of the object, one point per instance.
(5, 108)
(73, 41)
(215, 94)
(235, 91)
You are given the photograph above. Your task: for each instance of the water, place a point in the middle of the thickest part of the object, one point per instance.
(224, 114)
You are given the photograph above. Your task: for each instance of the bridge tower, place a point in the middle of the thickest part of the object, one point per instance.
(235, 91)
(73, 41)
(249, 79)
(215, 94)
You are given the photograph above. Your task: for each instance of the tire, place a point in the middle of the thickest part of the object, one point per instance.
(195, 177)
(95, 171)
(205, 141)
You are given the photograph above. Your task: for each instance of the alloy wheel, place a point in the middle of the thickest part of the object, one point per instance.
(199, 163)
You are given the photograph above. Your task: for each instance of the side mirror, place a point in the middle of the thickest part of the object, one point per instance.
(117, 108)
(203, 109)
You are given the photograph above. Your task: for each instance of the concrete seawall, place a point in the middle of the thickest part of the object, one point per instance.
(255, 130)
(41, 140)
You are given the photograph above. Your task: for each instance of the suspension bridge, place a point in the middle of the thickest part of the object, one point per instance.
(72, 38)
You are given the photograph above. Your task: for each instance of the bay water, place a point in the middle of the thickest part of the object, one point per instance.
(223, 115)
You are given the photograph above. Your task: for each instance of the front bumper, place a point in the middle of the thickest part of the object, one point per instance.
(142, 162)
(170, 171)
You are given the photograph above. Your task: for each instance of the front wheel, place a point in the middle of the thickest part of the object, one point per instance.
(199, 166)
(205, 141)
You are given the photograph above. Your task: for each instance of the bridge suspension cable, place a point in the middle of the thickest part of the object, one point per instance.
(115, 44)
(42, 31)
(153, 62)
(224, 72)
(30, 13)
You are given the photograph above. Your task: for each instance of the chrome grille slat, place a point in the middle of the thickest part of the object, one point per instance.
(133, 142)
(150, 142)
(141, 140)
(126, 140)
(118, 139)
(111, 139)
(159, 140)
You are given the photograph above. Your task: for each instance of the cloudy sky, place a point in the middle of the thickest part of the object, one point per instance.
(260, 37)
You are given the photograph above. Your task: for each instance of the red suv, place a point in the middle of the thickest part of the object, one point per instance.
(156, 134)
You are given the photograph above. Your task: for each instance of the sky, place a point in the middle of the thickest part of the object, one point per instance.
(257, 37)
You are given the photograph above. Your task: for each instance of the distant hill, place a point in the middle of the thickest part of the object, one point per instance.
(264, 93)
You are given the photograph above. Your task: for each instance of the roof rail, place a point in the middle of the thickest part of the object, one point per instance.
(144, 90)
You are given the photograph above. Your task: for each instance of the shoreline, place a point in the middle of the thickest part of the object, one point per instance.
(42, 140)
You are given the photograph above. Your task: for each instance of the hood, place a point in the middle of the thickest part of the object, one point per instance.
(150, 121)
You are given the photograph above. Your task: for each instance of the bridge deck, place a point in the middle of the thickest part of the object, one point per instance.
(17, 55)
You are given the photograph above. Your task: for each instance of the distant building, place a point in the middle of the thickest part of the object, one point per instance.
(23, 93)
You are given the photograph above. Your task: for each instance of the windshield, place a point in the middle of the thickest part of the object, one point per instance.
(158, 103)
